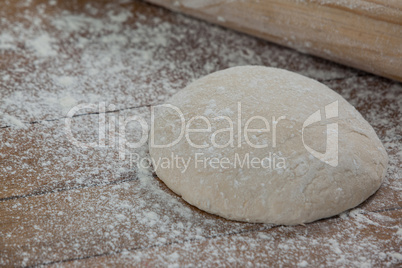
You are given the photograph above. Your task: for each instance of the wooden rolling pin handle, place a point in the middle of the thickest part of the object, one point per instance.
(365, 34)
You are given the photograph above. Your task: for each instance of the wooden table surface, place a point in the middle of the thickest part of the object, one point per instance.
(64, 205)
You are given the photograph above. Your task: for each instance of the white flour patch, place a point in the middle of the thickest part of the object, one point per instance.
(42, 45)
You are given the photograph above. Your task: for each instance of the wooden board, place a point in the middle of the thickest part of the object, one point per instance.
(290, 247)
(65, 205)
(363, 34)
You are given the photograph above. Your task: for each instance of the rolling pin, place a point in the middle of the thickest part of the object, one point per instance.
(364, 34)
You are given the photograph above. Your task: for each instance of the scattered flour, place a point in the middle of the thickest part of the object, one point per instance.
(13, 121)
(112, 53)
(42, 45)
(119, 55)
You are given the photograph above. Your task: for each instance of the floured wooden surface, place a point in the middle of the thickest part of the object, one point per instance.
(331, 244)
(62, 204)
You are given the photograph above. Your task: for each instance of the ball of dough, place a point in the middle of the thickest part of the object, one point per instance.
(265, 145)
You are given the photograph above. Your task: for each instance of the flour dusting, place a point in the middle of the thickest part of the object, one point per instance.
(61, 202)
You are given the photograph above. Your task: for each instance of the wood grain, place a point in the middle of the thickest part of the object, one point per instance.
(100, 220)
(278, 246)
(141, 73)
(363, 34)
(42, 158)
(107, 220)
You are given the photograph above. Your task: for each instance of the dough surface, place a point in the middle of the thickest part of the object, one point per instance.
(314, 155)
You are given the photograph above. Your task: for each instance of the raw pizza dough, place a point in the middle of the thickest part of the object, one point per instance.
(314, 154)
